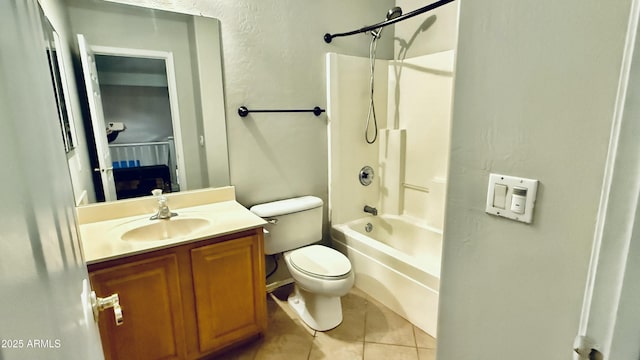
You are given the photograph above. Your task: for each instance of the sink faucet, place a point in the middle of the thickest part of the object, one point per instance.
(371, 210)
(163, 209)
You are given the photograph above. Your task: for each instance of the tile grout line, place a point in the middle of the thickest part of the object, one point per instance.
(364, 331)
(415, 341)
(315, 332)
(400, 345)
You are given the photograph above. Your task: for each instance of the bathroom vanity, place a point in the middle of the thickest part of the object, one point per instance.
(188, 286)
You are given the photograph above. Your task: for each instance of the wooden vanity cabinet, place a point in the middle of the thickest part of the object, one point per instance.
(229, 299)
(151, 304)
(184, 302)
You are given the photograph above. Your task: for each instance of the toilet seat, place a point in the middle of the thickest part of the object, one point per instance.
(320, 262)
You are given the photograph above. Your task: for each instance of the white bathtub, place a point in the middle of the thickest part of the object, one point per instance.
(397, 263)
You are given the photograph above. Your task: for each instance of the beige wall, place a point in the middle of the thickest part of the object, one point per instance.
(534, 97)
(274, 57)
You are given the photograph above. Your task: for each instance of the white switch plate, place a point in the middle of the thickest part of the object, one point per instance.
(511, 182)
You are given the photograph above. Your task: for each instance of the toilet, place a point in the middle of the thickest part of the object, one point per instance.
(321, 274)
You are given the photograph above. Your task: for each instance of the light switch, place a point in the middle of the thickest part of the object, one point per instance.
(511, 197)
(500, 196)
(518, 200)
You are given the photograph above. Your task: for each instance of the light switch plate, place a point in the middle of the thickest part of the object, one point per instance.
(510, 182)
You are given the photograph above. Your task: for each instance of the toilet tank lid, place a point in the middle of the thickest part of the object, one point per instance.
(288, 206)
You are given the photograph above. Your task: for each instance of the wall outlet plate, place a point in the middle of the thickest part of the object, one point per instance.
(511, 207)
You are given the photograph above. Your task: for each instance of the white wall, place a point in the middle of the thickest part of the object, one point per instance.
(78, 159)
(420, 100)
(534, 96)
(348, 93)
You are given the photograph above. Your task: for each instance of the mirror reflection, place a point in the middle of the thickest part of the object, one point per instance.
(59, 82)
(143, 72)
(139, 126)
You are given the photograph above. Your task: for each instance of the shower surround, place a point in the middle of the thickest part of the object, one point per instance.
(398, 262)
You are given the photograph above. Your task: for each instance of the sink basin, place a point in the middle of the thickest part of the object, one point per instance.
(165, 229)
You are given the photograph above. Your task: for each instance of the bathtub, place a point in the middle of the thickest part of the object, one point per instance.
(397, 263)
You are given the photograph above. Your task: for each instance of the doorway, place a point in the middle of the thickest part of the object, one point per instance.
(138, 118)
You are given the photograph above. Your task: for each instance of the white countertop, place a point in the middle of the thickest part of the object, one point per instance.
(101, 240)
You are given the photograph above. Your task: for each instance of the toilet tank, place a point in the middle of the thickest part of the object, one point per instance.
(293, 223)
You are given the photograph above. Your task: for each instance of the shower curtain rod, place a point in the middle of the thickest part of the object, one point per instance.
(328, 37)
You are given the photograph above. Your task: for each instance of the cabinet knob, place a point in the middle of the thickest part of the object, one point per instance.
(110, 302)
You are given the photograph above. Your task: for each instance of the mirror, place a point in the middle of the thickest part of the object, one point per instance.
(59, 82)
(195, 154)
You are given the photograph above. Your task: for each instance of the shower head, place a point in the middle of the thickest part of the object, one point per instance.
(393, 13)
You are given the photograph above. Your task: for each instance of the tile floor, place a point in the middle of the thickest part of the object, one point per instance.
(369, 331)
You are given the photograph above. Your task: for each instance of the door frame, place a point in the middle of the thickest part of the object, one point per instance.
(610, 321)
(167, 56)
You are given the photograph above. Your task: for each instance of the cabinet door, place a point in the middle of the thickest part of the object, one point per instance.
(230, 295)
(149, 293)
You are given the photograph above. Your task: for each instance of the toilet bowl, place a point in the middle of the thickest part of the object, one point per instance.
(321, 276)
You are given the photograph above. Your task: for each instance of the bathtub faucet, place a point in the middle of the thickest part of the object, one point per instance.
(371, 210)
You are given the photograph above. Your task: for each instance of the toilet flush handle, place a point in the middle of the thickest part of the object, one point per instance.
(272, 221)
